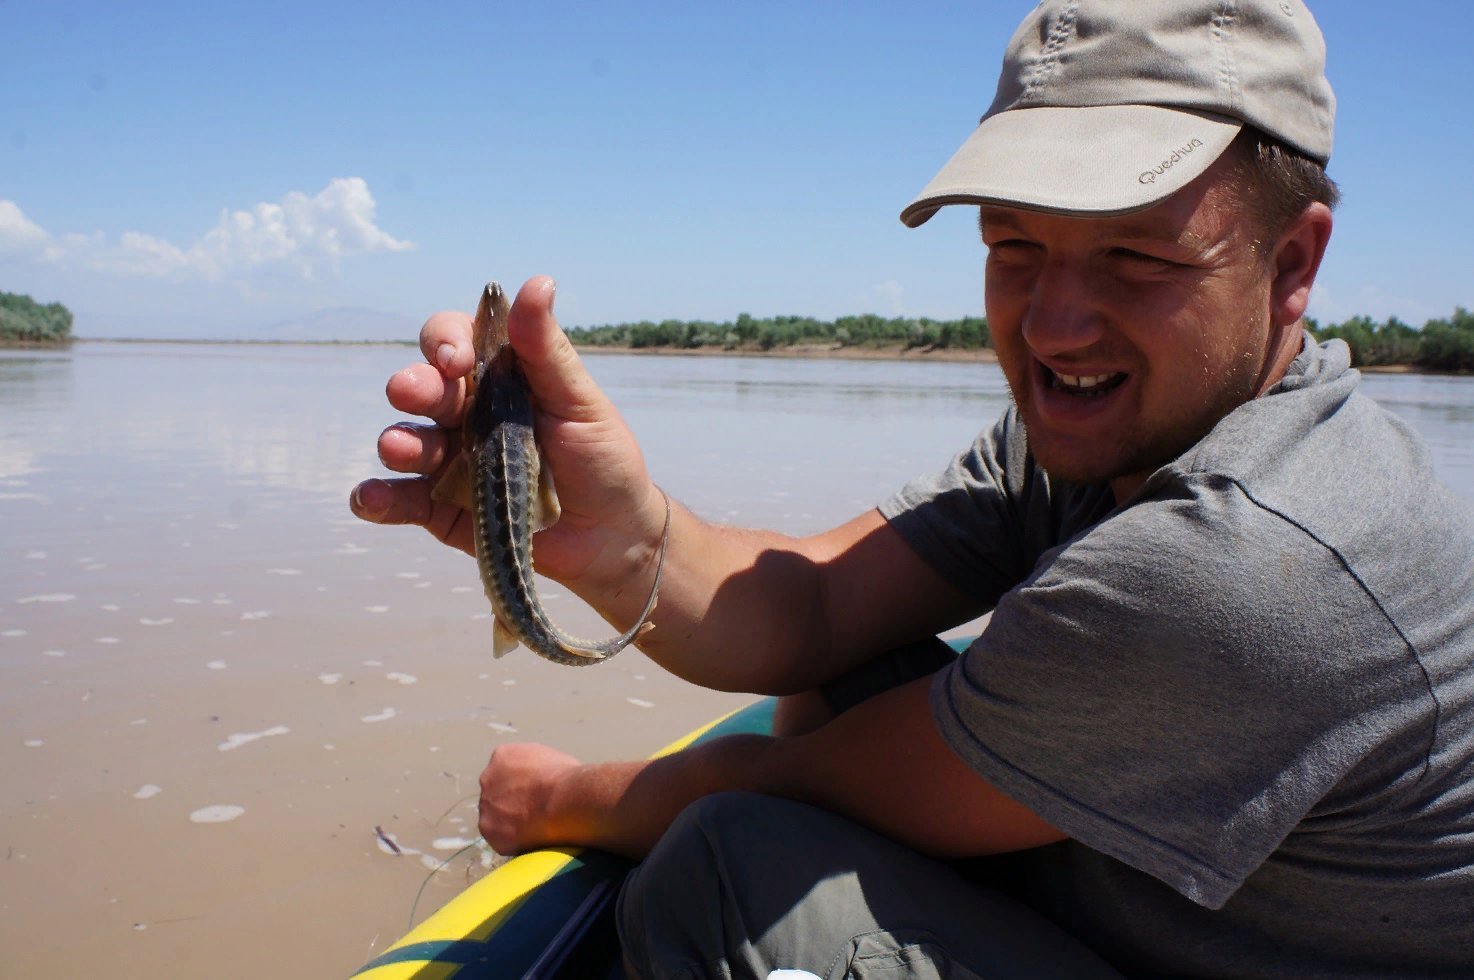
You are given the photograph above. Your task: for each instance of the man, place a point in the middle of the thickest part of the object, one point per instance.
(1219, 722)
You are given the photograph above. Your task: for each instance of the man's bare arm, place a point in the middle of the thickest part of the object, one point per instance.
(930, 799)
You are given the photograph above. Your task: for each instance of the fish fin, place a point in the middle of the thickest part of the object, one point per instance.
(503, 640)
(545, 507)
(644, 628)
(454, 485)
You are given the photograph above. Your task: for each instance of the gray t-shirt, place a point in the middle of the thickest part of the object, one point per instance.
(1246, 694)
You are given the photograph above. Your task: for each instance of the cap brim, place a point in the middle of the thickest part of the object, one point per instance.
(1091, 161)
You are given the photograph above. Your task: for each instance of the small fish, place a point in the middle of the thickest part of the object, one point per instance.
(502, 480)
(387, 841)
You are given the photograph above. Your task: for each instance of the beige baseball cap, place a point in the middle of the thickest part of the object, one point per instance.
(1109, 106)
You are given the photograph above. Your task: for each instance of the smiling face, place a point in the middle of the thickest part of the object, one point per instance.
(1126, 339)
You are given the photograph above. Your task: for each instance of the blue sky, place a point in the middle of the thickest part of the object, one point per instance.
(213, 169)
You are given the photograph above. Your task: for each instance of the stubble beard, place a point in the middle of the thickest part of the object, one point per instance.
(1138, 453)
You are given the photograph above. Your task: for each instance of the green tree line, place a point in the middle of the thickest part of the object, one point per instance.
(767, 333)
(22, 318)
(1445, 344)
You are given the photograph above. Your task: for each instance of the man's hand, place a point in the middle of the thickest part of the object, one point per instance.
(517, 788)
(609, 504)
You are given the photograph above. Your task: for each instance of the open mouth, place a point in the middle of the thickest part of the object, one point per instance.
(1084, 385)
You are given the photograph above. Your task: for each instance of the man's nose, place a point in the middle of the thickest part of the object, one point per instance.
(1065, 314)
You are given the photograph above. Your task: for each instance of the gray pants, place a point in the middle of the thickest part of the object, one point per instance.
(744, 884)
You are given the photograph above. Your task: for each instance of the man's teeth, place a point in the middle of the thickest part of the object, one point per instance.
(1083, 381)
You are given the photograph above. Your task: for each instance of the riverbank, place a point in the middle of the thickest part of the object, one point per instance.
(943, 355)
(913, 354)
(977, 355)
(13, 343)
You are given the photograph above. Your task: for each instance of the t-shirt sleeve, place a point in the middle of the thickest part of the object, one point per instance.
(967, 521)
(1160, 696)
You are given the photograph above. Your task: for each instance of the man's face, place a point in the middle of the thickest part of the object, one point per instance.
(1126, 339)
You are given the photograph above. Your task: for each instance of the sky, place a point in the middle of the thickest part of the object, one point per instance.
(216, 170)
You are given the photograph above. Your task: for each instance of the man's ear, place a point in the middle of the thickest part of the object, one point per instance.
(1295, 262)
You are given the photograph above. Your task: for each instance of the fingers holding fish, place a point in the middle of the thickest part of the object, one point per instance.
(421, 390)
(409, 447)
(445, 340)
(408, 501)
(562, 386)
(582, 437)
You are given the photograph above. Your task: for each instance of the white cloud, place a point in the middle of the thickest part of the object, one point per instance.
(18, 234)
(298, 235)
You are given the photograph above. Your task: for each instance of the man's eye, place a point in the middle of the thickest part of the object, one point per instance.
(1141, 258)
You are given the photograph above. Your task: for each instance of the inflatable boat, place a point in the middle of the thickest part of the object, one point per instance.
(545, 914)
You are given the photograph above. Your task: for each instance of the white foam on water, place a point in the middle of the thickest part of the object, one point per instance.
(640, 702)
(384, 715)
(222, 602)
(33, 743)
(452, 843)
(498, 726)
(396, 676)
(48, 597)
(219, 813)
(139, 721)
(376, 609)
(161, 621)
(110, 607)
(108, 639)
(93, 567)
(284, 571)
(373, 663)
(430, 862)
(509, 682)
(352, 549)
(188, 602)
(13, 633)
(423, 585)
(226, 525)
(406, 574)
(53, 653)
(216, 665)
(256, 614)
(238, 739)
(330, 678)
(35, 555)
(146, 791)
